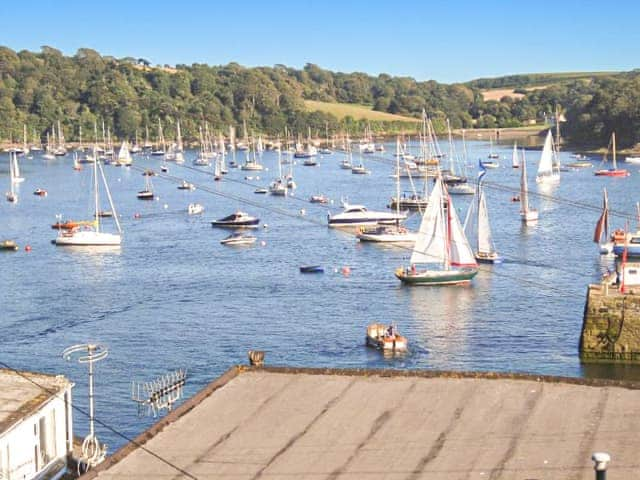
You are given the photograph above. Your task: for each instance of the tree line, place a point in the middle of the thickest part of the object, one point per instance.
(40, 88)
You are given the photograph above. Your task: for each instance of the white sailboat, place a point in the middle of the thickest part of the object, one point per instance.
(477, 226)
(515, 161)
(12, 195)
(389, 233)
(124, 156)
(279, 186)
(528, 215)
(17, 178)
(548, 168)
(90, 233)
(441, 245)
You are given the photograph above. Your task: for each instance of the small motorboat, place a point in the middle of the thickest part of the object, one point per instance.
(8, 245)
(238, 239)
(184, 185)
(319, 199)
(105, 213)
(40, 192)
(310, 162)
(195, 208)
(261, 190)
(237, 220)
(145, 195)
(311, 269)
(491, 164)
(66, 225)
(164, 168)
(385, 338)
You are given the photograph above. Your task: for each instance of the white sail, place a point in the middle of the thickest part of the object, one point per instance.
(17, 178)
(431, 244)
(524, 189)
(461, 254)
(124, 156)
(485, 242)
(547, 173)
(515, 162)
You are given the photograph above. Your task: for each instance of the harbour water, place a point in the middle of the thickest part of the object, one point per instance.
(173, 297)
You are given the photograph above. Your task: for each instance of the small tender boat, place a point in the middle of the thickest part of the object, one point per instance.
(311, 269)
(491, 164)
(164, 168)
(8, 245)
(237, 220)
(359, 170)
(145, 195)
(385, 338)
(105, 213)
(261, 190)
(580, 164)
(40, 192)
(67, 225)
(238, 239)
(633, 159)
(319, 199)
(184, 185)
(195, 208)
(310, 162)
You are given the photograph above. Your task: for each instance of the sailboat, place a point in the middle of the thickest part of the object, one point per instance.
(251, 160)
(477, 226)
(492, 155)
(345, 163)
(528, 215)
(615, 171)
(515, 161)
(11, 195)
(548, 168)
(441, 245)
(279, 186)
(147, 193)
(124, 156)
(17, 178)
(389, 233)
(601, 233)
(90, 233)
(160, 151)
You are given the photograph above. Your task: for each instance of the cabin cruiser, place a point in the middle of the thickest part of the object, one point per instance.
(237, 220)
(238, 239)
(356, 215)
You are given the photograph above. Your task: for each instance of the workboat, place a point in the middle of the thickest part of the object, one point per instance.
(238, 239)
(385, 338)
(195, 208)
(8, 245)
(356, 215)
(237, 220)
(311, 269)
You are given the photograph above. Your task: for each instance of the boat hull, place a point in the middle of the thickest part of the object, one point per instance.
(632, 250)
(436, 277)
(612, 173)
(88, 239)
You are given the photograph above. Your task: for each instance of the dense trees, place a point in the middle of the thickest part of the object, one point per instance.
(127, 94)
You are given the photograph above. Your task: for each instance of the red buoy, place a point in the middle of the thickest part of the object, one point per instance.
(27, 248)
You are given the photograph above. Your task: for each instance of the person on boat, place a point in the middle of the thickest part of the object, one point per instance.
(390, 331)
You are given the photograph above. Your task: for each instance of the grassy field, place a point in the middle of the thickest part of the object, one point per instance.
(341, 110)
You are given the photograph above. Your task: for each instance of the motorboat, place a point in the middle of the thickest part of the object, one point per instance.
(237, 220)
(238, 239)
(357, 215)
(386, 234)
(9, 245)
(40, 192)
(145, 195)
(461, 188)
(318, 199)
(311, 269)
(105, 213)
(195, 208)
(67, 224)
(386, 338)
(491, 164)
(261, 190)
(359, 170)
(633, 159)
(184, 185)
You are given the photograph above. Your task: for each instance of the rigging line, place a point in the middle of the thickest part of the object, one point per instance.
(100, 422)
(514, 260)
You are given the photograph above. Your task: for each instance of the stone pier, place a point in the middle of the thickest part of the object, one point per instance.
(611, 325)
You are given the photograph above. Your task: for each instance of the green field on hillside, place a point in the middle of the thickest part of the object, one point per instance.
(358, 112)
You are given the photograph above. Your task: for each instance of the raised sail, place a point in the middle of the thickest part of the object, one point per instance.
(515, 161)
(461, 253)
(485, 242)
(431, 244)
(547, 172)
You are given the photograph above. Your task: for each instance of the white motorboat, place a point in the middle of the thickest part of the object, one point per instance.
(195, 208)
(357, 215)
(237, 220)
(184, 185)
(238, 239)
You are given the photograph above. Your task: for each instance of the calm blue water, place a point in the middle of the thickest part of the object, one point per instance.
(174, 297)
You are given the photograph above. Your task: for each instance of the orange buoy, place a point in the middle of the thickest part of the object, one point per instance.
(346, 271)
(27, 248)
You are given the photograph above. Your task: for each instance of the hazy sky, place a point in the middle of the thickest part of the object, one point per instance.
(447, 41)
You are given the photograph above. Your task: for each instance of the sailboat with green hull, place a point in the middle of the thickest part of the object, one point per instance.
(441, 245)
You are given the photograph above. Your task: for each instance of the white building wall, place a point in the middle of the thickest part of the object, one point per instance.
(33, 444)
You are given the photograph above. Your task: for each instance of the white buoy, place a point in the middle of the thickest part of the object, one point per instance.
(263, 243)
(302, 212)
(266, 225)
(166, 206)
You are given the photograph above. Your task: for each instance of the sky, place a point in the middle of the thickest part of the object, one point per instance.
(446, 41)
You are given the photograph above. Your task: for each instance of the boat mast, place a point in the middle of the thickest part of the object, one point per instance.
(398, 181)
(95, 190)
(447, 227)
(613, 143)
(524, 193)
